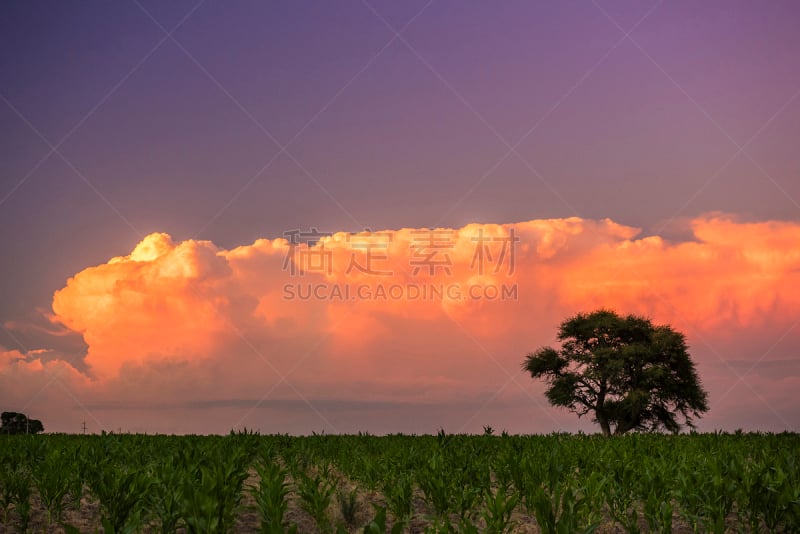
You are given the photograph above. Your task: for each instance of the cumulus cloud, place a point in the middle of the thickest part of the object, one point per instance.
(410, 316)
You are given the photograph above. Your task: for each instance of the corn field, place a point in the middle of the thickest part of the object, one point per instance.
(245, 482)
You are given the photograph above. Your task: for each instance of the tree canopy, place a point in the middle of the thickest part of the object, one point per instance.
(627, 372)
(18, 423)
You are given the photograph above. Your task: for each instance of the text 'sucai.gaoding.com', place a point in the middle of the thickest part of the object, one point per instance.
(398, 292)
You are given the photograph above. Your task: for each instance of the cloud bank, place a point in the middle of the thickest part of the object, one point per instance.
(405, 330)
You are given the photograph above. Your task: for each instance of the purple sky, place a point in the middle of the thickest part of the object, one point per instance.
(253, 118)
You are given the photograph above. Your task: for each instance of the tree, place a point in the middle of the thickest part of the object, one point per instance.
(627, 372)
(18, 423)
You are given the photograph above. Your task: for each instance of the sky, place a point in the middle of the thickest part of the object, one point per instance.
(362, 215)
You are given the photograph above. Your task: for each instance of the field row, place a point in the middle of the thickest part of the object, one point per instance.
(445, 483)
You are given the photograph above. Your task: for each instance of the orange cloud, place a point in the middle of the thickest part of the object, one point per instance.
(735, 275)
(161, 301)
(187, 300)
(411, 314)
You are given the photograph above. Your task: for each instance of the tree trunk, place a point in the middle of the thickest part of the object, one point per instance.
(604, 425)
(622, 428)
(600, 412)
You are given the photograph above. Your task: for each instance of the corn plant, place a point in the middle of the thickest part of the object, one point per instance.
(622, 492)
(121, 491)
(52, 479)
(690, 497)
(398, 496)
(164, 499)
(213, 493)
(778, 500)
(592, 487)
(348, 505)
(561, 511)
(6, 490)
(435, 484)
(656, 494)
(499, 508)
(719, 491)
(18, 488)
(271, 496)
(316, 494)
(441, 525)
(370, 472)
(74, 459)
(378, 524)
(198, 508)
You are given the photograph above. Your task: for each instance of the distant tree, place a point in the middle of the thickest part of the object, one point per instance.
(625, 371)
(18, 423)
